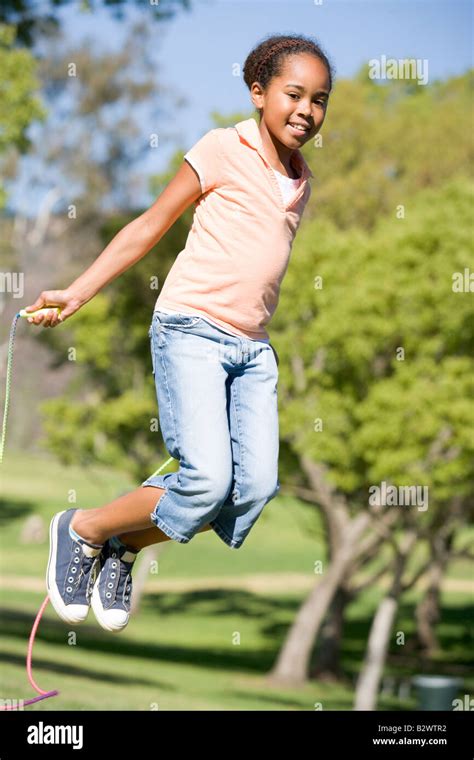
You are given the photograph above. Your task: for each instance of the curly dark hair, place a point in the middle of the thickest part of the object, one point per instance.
(267, 58)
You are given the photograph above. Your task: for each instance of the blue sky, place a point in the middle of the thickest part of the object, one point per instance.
(195, 52)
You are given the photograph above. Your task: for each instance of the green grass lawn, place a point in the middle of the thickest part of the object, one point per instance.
(194, 649)
(177, 654)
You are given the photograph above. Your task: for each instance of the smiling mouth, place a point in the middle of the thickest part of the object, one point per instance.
(298, 129)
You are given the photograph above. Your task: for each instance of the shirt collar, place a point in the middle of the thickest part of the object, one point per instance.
(248, 130)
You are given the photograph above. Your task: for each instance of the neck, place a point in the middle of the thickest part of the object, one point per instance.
(278, 155)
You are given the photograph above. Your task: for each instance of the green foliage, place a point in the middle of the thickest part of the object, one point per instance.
(34, 19)
(426, 436)
(386, 349)
(384, 142)
(19, 106)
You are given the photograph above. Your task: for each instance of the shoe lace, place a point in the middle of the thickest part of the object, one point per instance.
(93, 571)
(122, 590)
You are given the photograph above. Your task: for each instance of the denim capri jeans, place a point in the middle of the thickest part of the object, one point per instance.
(218, 413)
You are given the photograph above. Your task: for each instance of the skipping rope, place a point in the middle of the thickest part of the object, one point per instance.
(41, 692)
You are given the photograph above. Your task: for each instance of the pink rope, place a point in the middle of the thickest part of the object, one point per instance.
(43, 694)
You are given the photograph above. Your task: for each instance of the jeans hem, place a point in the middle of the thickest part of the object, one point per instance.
(159, 523)
(231, 542)
(157, 482)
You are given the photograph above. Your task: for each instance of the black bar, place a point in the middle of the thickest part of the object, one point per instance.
(304, 734)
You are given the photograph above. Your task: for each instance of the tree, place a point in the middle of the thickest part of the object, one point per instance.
(381, 143)
(444, 524)
(87, 195)
(33, 19)
(382, 356)
(19, 103)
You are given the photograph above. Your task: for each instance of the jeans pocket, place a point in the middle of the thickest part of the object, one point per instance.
(177, 320)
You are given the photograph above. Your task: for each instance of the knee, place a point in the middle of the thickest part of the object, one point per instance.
(215, 490)
(264, 489)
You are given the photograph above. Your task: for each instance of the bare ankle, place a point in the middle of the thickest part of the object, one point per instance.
(83, 523)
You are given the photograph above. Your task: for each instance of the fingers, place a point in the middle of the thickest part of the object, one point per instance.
(37, 319)
(50, 319)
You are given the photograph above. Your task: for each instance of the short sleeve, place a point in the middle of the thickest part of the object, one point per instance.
(206, 159)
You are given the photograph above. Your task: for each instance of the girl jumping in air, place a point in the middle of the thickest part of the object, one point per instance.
(215, 370)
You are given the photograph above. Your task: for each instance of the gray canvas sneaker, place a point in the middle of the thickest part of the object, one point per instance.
(72, 568)
(112, 592)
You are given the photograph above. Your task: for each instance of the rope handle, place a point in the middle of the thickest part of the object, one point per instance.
(44, 310)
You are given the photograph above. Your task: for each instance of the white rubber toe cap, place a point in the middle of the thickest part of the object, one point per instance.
(75, 613)
(111, 620)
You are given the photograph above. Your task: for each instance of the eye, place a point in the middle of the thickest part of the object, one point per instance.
(322, 103)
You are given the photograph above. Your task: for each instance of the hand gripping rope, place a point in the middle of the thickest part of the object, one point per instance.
(42, 694)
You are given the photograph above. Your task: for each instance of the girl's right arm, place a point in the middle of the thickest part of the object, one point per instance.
(125, 249)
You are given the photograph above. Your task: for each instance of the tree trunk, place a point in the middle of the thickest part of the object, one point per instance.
(376, 653)
(379, 639)
(428, 609)
(293, 661)
(427, 614)
(328, 666)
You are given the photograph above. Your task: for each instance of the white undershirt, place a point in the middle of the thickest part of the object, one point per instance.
(288, 185)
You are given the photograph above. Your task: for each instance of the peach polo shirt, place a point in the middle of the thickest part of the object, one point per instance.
(238, 248)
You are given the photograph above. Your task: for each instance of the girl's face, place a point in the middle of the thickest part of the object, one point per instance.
(299, 96)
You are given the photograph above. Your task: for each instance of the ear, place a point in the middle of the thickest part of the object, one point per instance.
(257, 95)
